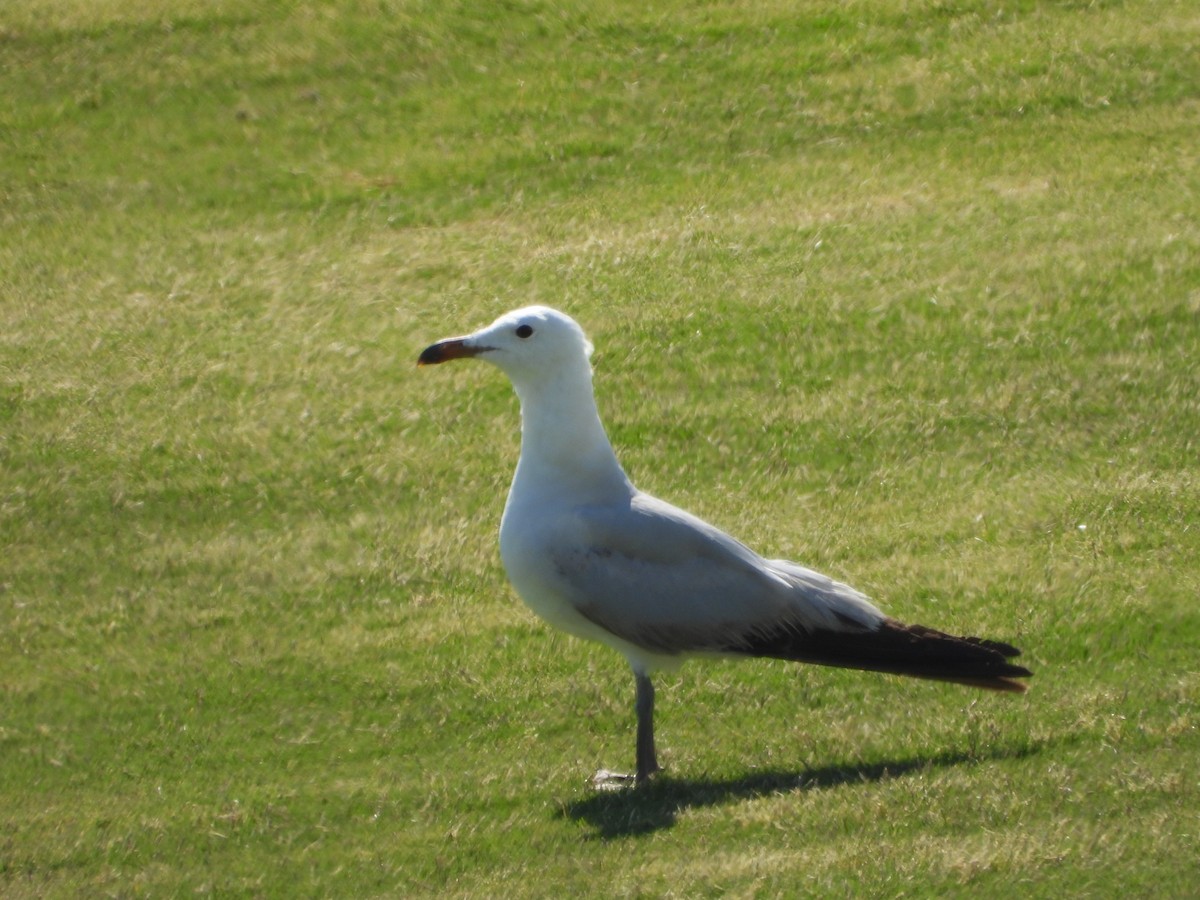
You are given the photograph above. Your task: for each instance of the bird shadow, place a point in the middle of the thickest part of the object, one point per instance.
(657, 805)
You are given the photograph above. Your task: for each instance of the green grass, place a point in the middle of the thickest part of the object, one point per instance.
(907, 291)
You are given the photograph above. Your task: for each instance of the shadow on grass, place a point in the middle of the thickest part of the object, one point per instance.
(635, 811)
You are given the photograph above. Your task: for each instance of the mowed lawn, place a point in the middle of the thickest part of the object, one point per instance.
(907, 291)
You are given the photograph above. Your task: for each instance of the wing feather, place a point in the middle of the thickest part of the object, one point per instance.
(662, 579)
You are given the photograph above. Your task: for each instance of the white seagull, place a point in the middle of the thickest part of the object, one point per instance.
(596, 557)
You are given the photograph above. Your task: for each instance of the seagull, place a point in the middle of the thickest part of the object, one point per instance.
(598, 558)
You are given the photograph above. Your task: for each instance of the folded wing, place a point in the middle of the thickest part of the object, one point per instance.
(664, 580)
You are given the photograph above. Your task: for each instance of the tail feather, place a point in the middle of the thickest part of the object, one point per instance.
(899, 649)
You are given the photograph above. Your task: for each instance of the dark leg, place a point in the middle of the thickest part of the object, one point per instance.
(647, 760)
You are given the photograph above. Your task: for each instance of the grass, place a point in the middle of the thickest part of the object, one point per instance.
(905, 290)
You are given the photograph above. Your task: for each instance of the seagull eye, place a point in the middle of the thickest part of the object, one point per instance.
(524, 331)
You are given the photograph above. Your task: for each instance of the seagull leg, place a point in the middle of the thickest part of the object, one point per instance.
(647, 760)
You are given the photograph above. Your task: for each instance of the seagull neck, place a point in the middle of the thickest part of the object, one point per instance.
(562, 437)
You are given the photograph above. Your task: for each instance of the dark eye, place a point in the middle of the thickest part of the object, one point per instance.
(524, 331)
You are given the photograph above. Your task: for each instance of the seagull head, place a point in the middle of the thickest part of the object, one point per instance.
(529, 344)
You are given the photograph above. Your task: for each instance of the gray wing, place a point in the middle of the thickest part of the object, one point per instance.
(664, 580)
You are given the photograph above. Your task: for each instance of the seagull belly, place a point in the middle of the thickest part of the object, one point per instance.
(523, 549)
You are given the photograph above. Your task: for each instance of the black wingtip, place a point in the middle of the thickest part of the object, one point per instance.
(898, 649)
